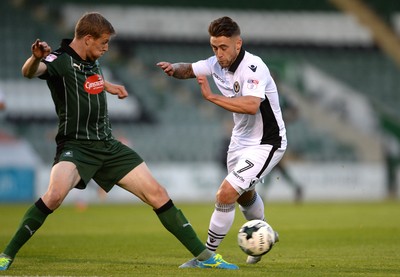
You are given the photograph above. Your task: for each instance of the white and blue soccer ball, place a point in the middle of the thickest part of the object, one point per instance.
(256, 237)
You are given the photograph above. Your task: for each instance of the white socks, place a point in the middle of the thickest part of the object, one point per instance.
(223, 216)
(254, 209)
(220, 223)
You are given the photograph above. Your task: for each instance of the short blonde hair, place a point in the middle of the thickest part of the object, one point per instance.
(94, 24)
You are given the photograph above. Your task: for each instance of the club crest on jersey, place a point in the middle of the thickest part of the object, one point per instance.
(94, 84)
(50, 58)
(252, 84)
(236, 87)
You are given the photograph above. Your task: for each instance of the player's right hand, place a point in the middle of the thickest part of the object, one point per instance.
(40, 49)
(167, 67)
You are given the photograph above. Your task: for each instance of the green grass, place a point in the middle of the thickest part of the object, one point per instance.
(332, 239)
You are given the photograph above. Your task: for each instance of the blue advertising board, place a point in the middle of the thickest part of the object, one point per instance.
(17, 184)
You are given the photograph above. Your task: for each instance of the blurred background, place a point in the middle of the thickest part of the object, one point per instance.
(336, 64)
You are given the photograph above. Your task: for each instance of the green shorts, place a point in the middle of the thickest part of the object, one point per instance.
(106, 162)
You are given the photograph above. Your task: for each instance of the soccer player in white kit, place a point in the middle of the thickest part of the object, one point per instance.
(258, 140)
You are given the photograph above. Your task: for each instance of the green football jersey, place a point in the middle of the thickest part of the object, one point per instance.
(77, 89)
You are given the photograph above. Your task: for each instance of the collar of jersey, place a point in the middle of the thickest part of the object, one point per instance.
(236, 63)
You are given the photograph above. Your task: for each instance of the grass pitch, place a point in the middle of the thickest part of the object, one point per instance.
(332, 239)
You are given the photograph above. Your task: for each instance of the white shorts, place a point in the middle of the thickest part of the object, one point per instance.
(247, 166)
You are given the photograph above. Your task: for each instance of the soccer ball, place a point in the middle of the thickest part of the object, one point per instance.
(256, 237)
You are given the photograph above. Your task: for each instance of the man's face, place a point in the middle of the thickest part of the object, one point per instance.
(226, 49)
(95, 48)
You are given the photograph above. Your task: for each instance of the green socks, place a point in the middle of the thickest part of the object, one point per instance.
(171, 217)
(176, 223)
(31, 222)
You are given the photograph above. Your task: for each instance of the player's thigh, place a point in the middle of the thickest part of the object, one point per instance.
(251, 165)
(115, 165)
(63, 177)
(141, 183)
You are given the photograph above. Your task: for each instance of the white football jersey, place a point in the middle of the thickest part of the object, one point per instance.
(248, 75)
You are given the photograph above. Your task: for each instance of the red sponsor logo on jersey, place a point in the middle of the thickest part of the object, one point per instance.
(94, 84)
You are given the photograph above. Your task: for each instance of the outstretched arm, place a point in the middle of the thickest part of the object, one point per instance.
(116, 89)
(242, 104)
(33, 66)
(177, 70)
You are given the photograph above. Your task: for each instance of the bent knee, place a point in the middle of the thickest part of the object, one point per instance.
(157, 197)
(227, 195)
(53, 199)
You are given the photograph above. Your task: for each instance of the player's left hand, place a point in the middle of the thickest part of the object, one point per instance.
(204, 86)
(116, 90)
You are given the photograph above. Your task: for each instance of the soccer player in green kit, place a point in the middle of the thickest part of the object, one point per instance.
(86, 148)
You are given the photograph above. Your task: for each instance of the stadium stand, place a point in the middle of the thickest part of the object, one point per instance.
(171, 121)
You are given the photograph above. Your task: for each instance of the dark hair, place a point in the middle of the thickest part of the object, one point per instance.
(224, 26)
(93, 24)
